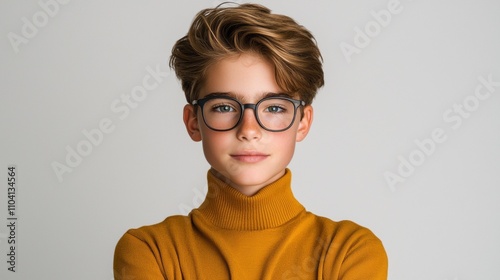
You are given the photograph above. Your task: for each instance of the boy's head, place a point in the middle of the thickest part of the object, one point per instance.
(226, 31)
(240, 58)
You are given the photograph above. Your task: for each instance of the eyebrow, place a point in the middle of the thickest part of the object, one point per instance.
(235, 96)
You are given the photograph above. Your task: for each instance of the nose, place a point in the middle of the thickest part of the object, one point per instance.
(249, 129)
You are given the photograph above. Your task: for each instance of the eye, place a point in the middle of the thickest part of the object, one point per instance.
(223, 108)
(275, 109)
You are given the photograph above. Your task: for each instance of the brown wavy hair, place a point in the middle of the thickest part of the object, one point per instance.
(220, 32)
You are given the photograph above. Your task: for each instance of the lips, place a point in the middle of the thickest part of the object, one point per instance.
(249, 157)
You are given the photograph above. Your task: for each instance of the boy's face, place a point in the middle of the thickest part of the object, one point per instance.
(247, 157)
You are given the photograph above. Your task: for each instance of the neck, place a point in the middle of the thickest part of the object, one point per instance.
(248, 190)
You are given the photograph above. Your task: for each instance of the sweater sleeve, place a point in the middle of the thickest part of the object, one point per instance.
(135, 260)
(366, 260)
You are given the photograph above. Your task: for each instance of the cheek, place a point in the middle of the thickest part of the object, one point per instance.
(213, 142)
(210, 149)
(285, 142)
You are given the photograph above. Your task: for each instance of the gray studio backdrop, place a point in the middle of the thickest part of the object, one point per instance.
(406, 136)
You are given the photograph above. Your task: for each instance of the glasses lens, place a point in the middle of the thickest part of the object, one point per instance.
(276, 113)
(221, 113)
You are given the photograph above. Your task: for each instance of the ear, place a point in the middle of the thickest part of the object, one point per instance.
(305, 123)
(191, 122)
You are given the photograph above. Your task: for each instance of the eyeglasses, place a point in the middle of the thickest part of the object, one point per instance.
(223, 113)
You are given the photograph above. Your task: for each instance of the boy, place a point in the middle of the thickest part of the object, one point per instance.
(249, 77)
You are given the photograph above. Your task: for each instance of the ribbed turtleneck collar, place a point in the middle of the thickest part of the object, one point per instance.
(270, 207)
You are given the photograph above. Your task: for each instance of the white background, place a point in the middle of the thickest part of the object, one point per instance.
(442, 222)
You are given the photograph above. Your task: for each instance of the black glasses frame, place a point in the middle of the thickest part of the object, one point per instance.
(296, 104)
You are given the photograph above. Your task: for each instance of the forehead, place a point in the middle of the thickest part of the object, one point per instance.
(245, 76)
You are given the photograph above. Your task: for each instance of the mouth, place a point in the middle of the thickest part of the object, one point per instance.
(249, 157)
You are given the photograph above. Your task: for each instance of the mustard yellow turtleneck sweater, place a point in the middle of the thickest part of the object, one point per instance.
(265, 236)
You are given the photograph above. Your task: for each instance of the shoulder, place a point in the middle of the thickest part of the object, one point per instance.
(140, 251)
(351, 251)
(346, 228)
(361, 252)
(348, 236)
(151, 241)
(172, 225)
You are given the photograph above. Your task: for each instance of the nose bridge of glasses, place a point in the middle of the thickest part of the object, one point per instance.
(249, 106)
